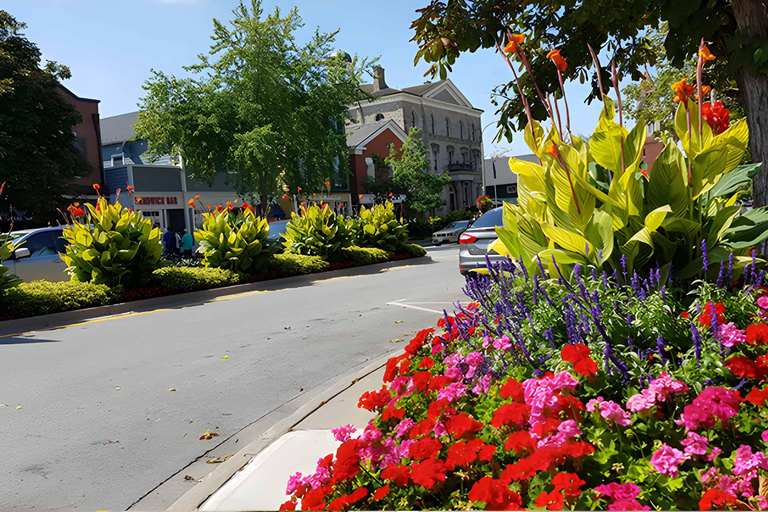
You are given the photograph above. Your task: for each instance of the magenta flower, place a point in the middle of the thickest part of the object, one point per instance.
(483, 385)
(746, 463)
(294, 483)
(642, 401)
(452, 391)
(763, 302)
(610, 410)
(664, 385)
(764, 436)
(695, 444)
(569, 428)
(618, 491)
(344, 433)
(627, 504)
(730, 335)
(503, 343)
(711, 405)
(404, 427)
(666, 460)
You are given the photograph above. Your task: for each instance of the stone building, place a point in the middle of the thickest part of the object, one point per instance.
(451, 130)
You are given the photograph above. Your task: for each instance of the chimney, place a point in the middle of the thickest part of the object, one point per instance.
(378, 79)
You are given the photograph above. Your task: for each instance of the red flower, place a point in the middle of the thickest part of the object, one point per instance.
(381, 492)
(708, 312)
(391, 371)
(552, 500)
(219, 208)
(512, 389)
(397, 474)
(716, 115)
(79, 212)
(372, 400)
(313, 499)
(757, 396)
(439, 408)
(439, 382)
(347, 461)
(421, 380)
(429, 472)
(345, 500)
(392, 412)
(569, 483)
(424, 448)
(578, 354)
(511, 413)
(421, 428)
(546, 426)
(288, 505)
(685, 315)
(462, 424)
(520, 442)
(416, 343)
(743, 367)
(716, 497)
(463, 453)
(427, 363)
(495, 494)
(757, 333)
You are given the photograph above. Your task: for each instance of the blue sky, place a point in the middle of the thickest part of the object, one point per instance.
(111, 45)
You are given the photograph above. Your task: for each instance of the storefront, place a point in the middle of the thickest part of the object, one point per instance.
(339, 202)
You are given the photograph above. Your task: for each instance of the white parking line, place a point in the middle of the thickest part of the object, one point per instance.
(399, 302)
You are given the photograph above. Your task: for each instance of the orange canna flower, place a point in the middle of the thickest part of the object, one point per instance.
(129, 188)
(285, 196)
(314, 195)
(706, 54)
(96, 186)
(360, 196)
(552, 150)
(236, 201)
(197, 198)
(327, 183)
(514, 43)
(77, 204)
(192, 203)
(138, 199)
(303, 203)
(70, 208)
(208, 206)
(705, 89)
(682, 89)
(229, 204)
(299, 189)
(560, 62)
(391, 194)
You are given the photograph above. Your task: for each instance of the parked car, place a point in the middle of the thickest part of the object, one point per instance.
(451, 232)
(36, 254)
(474, 242)
(277, 230)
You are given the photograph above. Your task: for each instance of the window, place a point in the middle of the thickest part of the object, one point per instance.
(490, 219)
(118, 160)
(450, 155)
(379, 117)
(413, 119)
(512, 189)
(447, 127)
(41, 244)
(461, 130)
(432, 120)
(473, 132)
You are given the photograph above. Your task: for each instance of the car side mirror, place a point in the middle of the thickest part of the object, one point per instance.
(21, 252)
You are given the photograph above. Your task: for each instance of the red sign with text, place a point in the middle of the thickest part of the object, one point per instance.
(158, 200)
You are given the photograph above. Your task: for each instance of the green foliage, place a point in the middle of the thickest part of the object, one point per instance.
(567, 211)
(44, 298)
(233, 240)
(455, 215)
(6, 250)
(286, 265)
(363, 255)
(379, 227)
(38, 152)
(317, 231)
(414, 251)
(113, 245)
(189, 279)
(259, 104)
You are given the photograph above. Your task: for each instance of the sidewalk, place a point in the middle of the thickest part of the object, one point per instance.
(260, 484)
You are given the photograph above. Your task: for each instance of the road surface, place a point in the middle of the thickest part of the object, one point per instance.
(98, 427)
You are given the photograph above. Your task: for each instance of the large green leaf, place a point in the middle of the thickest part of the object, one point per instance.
(568, 240)
(734, 180)
(665, 181)
(747, 230)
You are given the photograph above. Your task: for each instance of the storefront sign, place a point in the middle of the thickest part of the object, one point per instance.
(168, 200)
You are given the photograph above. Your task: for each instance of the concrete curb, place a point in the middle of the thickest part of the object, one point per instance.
(52, 321)
(196, 496)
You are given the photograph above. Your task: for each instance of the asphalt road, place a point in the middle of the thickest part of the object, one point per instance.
(98, 428)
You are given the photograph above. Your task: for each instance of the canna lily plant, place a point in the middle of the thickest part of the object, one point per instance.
(7, 280)
(594, 203)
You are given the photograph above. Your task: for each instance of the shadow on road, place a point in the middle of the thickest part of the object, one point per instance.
(20, 340)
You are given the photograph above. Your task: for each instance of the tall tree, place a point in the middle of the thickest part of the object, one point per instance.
(737, 31)
(38, 154)
(259, 106)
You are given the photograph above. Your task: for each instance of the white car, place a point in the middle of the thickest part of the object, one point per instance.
(36, 255)
(451, 232)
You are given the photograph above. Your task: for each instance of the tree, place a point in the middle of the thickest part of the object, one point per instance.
(258, 106)
(411, 177)
(736, 29)
(38, 152)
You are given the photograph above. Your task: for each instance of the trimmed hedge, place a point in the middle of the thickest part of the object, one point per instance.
(296, 264)
(364, 255)
(414, 251)
(190, 279)
(44, 298)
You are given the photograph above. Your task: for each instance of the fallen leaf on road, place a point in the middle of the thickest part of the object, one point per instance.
(396, 340)
(170, 389)
(208, 434)
(225, 357)
(398, 321)
(218, 460)
(112, 442)
(301, 389)
(117, 388)
(18, 407)
(3, 405)
(287, 328)
(193, 479)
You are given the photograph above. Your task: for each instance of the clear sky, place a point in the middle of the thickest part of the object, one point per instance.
(111, 45)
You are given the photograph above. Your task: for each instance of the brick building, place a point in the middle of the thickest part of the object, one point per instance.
(88, 134)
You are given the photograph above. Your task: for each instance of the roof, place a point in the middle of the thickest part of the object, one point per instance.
(416, 90)
(504, 159)
(78, 98)
(118, 128)
(359, 134)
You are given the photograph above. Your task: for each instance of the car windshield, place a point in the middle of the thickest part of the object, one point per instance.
(459, 224)
(489, 219)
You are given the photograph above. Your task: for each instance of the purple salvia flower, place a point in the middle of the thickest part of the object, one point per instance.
(696, 342)
(704, 254)
(720, 275)
(730, 268)
(661, 347)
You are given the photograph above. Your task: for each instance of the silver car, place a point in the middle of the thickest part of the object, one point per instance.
(474, 242)
(36, 255)
(451, 232)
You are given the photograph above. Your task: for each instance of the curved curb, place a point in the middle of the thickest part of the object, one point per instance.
(56, 320)
(210, 483)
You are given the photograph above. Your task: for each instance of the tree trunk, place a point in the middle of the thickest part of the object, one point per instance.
(752, 19)
(264, 205)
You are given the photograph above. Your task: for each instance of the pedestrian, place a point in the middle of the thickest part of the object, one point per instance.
(169, 243)
(178, 241)
(187, 241)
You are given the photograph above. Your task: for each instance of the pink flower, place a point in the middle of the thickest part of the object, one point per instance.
(452, 391)
(627, 504)
(404, 427)
(483, 385)
(695, 444)
(642, 401)
(763, 302)
(344, 433)
(569, 428)
(486, 341)
(715, 452)
(730, 335)
(745, 463)
(666, 459)
(764, 436)
(502, 343)
(473, 360)
(294, 483)
(618, 491)
(540, 393)
(594, 404)
(610, 410)
(712, 404)
(664, 385)
(439, 429)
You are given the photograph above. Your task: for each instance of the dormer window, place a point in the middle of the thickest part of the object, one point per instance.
(118, 160)
(379, 117)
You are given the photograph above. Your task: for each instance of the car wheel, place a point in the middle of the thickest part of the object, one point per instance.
(438, 244)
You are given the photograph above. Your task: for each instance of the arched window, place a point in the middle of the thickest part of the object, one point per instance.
(473, 132)
(461, 130)
(447, 127)
(413, 119)
(379, 117)
(432, 120)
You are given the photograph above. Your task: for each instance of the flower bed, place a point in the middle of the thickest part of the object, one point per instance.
(600, 392)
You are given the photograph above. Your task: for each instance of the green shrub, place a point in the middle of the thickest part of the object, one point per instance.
(44, 298)
(414, 251)
(234, 240)
(7, 281)
(111, 245)
(364, 255)
(189, 279)
(380, 228)
(455, 215)
(317, 232)
(296, 264)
